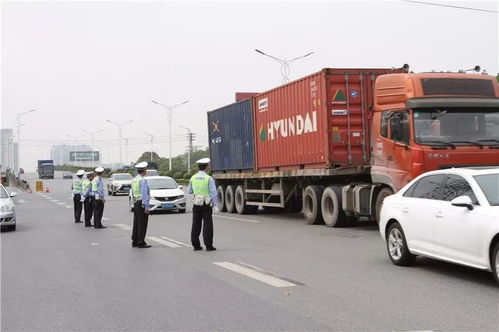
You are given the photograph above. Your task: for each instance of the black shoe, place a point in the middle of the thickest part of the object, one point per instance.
(134, 245)
(100, 227)
(89, 225)
(211, 248)
(144, 245)
(78, 222)
(197, 248)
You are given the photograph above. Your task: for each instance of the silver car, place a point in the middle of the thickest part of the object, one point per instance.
(7, 210)
(166, 194)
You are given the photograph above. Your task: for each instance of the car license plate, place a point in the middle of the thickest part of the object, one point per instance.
(167, 205)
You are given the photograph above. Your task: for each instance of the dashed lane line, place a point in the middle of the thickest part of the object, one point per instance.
(123, 226)
(175, 241)
(61, 203)
(239, 219)
(269, 279)
(54, 200)
(163, 242)
(68, 207)
(105, 218)
(22, 201)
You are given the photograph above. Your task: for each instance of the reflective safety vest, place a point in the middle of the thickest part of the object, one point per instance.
(95, 184)
(137, 195)
(84, 185)
(200, 184)
(76, 186)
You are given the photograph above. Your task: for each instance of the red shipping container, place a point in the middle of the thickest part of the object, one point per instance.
(319, 121)
(245, 95)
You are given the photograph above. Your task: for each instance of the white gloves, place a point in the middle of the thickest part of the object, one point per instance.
(215, 210)
(82, 199)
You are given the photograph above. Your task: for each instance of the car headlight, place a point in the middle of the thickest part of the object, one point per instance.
(7, 208)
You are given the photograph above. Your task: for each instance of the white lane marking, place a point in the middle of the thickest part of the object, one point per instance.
(104, 218)
(267, 279)
(240, 219)
(22, 201)
(60, 203)
(123, 226)
(163, 242)
(48, 197)
(175, 241)
(68, 207)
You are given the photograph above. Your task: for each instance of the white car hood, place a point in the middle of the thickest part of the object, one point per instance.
(122, 181)
(166, 192)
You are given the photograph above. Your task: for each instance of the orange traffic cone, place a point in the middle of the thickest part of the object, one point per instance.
(47, 189)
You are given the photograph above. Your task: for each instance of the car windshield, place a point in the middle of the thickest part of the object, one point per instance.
(489, 183)
(123, 177)
(457, 126)
(3, 193)
(161, 184)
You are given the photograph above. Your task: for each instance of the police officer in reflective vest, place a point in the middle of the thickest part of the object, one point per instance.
(99, 198)
(140, 198)
(205, 203)
(88, 198)
(76, 188)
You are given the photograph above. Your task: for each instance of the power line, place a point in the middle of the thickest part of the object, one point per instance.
(451, 6)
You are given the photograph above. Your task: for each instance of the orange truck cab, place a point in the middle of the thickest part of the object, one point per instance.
(428, 121)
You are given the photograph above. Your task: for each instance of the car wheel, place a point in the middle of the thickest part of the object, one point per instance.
(181, 210)
(397, 246)
(495, 262)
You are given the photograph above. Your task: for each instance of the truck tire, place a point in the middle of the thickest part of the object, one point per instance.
(221, 198)
(229, 199)
(312, 204)
(383, 193)
(332, 211)
(239, 200)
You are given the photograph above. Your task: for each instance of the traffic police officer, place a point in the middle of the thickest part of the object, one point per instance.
(99, 198)
(205, 203)
(76, 187)
(88, 198)
(140, 197)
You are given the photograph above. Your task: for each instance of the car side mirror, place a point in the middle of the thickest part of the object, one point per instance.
(13, 194)
(463, 201)
(181, 187)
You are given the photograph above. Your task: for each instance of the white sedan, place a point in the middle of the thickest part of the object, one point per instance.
(165, 194)
(451, 215)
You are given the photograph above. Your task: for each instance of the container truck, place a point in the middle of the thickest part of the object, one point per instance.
(45, 169)
(335, 143)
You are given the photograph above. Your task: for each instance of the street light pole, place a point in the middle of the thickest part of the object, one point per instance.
(152, 138)
(92, 134)
(19, 115)
(189, 135)
(285, 68)
(169, 109)
(74, 145)
(120, 128)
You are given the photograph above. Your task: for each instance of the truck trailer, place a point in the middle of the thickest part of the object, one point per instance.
(45, 169)
(335, 143)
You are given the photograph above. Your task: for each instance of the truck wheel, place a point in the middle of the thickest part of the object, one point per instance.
(383, 193)
(229, 199)
(240, 201)
(312, 204)
(332, 211)
(221, 198)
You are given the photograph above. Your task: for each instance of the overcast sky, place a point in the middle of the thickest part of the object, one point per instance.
(80, 63)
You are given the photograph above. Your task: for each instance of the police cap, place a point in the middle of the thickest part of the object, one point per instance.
(204, 161)
(142, 165)
(99, 169)
(80, 172)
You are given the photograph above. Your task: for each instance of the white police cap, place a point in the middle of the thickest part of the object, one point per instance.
(204, 161)
(80, 172)
(142, 165)
(99, 169)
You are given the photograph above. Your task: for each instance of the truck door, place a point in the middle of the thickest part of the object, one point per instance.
(398, 151)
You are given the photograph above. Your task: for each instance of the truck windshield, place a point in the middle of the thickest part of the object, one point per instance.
(457, 126)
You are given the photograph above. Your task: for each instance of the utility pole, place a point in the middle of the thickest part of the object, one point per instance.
(169, 110)
(19, 115)
(190, 138)
(152, 140)
(92, 134)
(120, 129)
(285, 64)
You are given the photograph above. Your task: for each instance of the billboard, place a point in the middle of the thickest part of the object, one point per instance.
(84, 155)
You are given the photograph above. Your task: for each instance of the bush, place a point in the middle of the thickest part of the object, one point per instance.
(178, 175)
(187, 175)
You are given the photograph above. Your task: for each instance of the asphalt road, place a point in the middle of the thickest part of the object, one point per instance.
(270, 272)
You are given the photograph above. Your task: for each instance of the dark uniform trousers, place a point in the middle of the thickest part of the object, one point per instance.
(98, 211)
(77, 207)
(88, 206)
(140, 221)
(202, 216)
